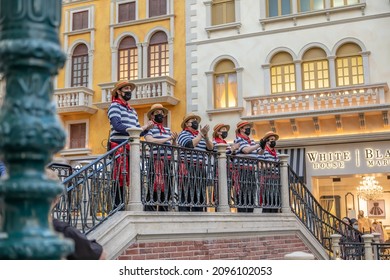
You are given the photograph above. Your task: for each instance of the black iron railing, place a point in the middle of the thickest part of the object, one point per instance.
(94, 192)
(178, 177)
(321, 223)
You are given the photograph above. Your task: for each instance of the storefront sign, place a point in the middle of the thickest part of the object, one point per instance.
(348, 158)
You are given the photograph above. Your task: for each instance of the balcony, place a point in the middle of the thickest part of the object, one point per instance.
(148, 92)
(74, 100)
(356, 109)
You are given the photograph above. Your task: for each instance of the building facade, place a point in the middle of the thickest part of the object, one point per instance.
(110, 40)
(315, 72)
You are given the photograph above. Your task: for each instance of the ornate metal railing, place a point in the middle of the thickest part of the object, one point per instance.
(94, 192)
(175, 176)
(253, 183)
(321, 223)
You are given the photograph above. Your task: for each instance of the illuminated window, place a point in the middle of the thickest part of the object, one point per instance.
(223, 12)
(315, 69)
(340, 3)
(278, 7)
(128, 59)
(158, 55)
(349, 65)
(80, 66)
(282, 73)
(311, 5)
(225, 85)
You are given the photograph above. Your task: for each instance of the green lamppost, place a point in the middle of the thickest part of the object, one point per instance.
(30, 131)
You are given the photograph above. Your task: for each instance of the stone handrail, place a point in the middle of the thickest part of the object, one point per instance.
(146, 88)
(75, 96)
(326, 99)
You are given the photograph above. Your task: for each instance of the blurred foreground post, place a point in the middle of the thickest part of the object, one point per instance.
(30, 131)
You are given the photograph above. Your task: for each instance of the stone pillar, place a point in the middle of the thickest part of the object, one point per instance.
(376, 240)
(134, 201)
(285, 192)
(30, 131)
(367, 239)
(222, 179)
(336, 246)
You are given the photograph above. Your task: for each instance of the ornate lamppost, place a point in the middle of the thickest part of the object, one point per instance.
(30, 131)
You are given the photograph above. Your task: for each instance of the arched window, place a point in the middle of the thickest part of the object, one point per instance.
(349, 65)
(225, 85)
(127, 59)
(315, 69)
(282, 73)
(223, 11)
(80, 66)
(158, 55)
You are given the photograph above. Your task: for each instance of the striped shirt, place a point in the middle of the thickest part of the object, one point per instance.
(267, 156)
(244, 143)
(185, 136)
(121, 118)
(157, 134)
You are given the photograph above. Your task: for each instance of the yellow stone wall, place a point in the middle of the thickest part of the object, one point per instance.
(98, 122)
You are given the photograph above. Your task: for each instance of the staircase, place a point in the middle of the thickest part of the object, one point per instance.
(93, 194)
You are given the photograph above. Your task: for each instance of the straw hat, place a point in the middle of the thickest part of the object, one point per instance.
(156, 107)
(190, 116)
(269, 134)
(121, 84)
(218, 127)
(242, 124)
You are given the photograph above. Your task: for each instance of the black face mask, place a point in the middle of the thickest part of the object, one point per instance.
(127, 96)
(224, 134)
(247, 131)
(195, 125)
(272, 144)
(158, 118)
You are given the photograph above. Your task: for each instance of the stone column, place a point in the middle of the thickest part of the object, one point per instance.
(30, 131)
(134, 202)
(336, 246)
(367, 239)
(222, 179)
(285, 192)
(376, 240)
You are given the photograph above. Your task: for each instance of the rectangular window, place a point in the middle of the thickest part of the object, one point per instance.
(278, 7)
(282, 78)
(315, 75)
(157, 8)
(226, 90)
(128, 64)
(77, 135)
(80, 20)
(349, 71)
(340, 3)
(223, 11)
(126, 12)
(159, 60)
(79, 71)
(311, 5)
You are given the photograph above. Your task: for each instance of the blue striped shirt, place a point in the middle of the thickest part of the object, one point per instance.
(121, 118)
(267, 156)
(243, 143)
(185, 136)
(157, 134)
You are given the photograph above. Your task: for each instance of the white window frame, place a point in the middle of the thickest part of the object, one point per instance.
(124, 2)
(91, 15)
(68, 124)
